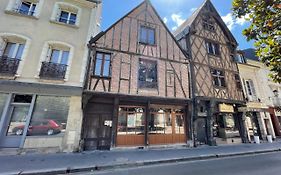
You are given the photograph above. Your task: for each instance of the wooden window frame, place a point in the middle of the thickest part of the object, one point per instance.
(102, 65)
(139, 81)
(238, 82)
(146, 42)
(216, 50)
(208, 25)
(219, 77)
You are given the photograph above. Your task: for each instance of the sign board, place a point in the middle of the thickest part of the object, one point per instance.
(226, 108)
(108, 123)
(256, 105)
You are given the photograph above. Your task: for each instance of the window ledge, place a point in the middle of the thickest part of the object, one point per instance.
(50, 80)
(146, 44)
(219, 87)
(64, 24)
(214, 55)
(11, 12)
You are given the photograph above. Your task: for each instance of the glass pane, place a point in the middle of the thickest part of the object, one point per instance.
(72, 19)
(63, 17)
(122, 123)
(64, 58)
(3, 98)
(18, 119)
(20, 51)
(24, 8)
(179, 124)
(148, 74)
(143, 35)
(32, 9)
(55, 56)
(22, 99)
(98, 64)
(168, 120)
(151, 36)
(106, 68)
(131, 123)
(140, 123)
(157, 124)
(9, 50)
(49, 116)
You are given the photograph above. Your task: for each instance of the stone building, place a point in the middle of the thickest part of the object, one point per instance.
(43, 56)
(137, 91)
(216, 87)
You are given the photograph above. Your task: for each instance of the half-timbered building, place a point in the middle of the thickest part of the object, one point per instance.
(216, 86)
(137, 87)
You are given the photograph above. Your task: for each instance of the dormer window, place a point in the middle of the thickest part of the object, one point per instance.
(147, 35)
(208, 25)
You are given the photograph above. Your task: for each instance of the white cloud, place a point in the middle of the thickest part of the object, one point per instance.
(228, 20)
(177, 18)
(165, 19)
(231, 22)
(193, 9)
(174, 28)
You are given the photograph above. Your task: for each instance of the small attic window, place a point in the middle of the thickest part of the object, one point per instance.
(147, 35)
(208, 24)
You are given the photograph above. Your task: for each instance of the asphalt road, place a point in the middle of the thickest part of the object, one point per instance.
(262, 164)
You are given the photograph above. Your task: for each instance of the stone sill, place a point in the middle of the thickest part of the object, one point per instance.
(11, 12)
(64, 24)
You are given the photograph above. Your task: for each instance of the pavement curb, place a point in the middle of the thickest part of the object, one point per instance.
(145, 163)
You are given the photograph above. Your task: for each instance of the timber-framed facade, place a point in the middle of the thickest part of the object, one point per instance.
(216, 86)
(137, 85)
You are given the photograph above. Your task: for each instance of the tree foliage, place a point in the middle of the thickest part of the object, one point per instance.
(265, 19)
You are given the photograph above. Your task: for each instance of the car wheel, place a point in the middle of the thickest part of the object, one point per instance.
(19, 132)
(50, 132)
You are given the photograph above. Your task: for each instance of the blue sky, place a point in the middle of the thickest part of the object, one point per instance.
(174, 12)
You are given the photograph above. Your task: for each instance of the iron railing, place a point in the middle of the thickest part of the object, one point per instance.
(8, 66)
(51, 70)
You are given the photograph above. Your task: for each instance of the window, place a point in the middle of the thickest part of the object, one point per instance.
(102, 64)
(218, 78)
(208, 25)
(170, 78)
(26, 8)
(67, 17)
(240, 58)
(59, 56)
(213, 48)
(148, 74)
(160, 121)
(13, 50)
(131, 121)
(238, 82)
(250, 89)
(147, 35)
(49, 116)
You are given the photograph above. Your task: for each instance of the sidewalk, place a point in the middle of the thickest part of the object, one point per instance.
(98, 160)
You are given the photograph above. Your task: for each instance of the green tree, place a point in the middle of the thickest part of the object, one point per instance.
(265, 28)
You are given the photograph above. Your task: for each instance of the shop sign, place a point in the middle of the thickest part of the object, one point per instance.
(226, 108)
(256, 105)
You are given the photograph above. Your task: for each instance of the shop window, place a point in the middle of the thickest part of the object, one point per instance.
(160, 122)
(147, 35)
(238, 82)
(213, 48)
(148, 74)
(49, 116)
(3, 98)
(218, 78)
(102, 65)
(179, 124)
(131, 121)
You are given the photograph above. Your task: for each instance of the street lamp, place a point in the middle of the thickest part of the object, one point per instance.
(276, 93)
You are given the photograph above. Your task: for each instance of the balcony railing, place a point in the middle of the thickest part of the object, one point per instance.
(51, 70)
(8, 66)
(276, 101)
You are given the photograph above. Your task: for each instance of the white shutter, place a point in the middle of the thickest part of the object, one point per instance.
(17, 4)
(253, 89)
(49, 52)
(3, 44)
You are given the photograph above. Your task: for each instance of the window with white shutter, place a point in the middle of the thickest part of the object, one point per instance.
(250, 89)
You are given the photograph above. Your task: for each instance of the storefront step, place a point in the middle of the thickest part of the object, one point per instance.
(151, 147)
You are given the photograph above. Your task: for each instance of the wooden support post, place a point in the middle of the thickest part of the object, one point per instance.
(147, 119)
(114, 122)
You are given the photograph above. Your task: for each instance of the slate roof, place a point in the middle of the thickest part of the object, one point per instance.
(250, 54)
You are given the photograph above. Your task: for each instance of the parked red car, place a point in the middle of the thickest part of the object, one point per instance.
(39, 127)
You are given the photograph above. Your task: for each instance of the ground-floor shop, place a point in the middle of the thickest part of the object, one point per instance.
(134, 121)
(40, 117)
(218, 122)
(275, 115)
(257, 121)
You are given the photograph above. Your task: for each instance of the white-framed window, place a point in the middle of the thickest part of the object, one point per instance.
(250, 89)
(13, 50)
(66, 13)
(55, 61)
(25, 7)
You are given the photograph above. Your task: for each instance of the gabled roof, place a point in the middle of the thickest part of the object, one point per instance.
(98, 36)
(185, 27)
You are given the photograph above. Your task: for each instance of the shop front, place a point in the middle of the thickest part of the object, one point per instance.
(136, 123)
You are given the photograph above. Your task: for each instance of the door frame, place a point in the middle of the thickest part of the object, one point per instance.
(6, 119)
